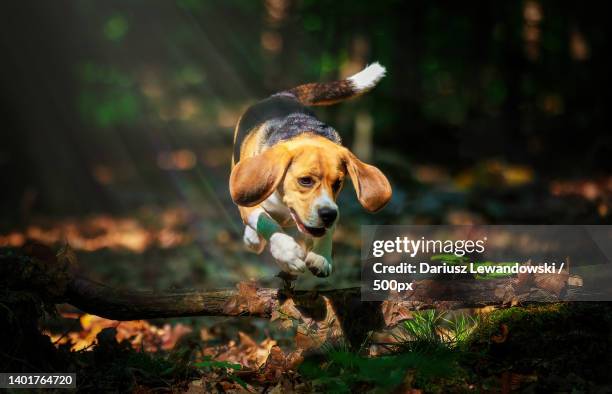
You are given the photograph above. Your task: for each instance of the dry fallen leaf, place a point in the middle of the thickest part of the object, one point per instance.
(245, 301)
(289, 309)
(306, 339)
(275, 366)
(286, 314)
(141, 334)
(394, 312)
(248, 352)
(294, 359)
(313, 333)
(553, 283)
(255, 304)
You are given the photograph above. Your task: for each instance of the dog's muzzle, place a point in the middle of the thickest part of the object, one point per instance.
(313, 231)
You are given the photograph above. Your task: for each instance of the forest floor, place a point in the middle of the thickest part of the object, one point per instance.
(191, 244)
(561, 347)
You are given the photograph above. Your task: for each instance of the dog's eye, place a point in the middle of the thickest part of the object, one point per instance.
(336, 185)
(306, 181)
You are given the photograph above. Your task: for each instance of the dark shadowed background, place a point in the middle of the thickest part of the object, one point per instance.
(117, 121)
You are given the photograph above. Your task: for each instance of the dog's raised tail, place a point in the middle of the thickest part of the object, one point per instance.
(326, 93)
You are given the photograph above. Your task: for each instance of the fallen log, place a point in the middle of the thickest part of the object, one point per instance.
(327, 313)
(320, 315)
(248, 299)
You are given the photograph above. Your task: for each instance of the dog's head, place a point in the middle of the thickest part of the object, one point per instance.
(308, 174)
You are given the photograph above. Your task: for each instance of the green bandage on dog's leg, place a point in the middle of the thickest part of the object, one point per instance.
(289, 255)
(266, 226)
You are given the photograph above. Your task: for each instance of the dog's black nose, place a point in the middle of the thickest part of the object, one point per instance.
(328, 215)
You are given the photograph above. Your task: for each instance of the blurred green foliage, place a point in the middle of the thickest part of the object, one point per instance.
(107, 97)
(116, 27)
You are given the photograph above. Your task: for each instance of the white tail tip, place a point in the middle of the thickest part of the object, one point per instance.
(367, 78)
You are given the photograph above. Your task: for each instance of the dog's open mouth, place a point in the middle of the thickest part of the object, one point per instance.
(313, 231)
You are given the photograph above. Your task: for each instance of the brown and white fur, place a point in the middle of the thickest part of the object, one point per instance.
(288, 168)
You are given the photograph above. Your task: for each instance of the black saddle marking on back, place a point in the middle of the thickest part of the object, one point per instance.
(274, 107)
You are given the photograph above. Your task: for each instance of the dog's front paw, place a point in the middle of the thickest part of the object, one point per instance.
(253, 241)
(318, 265)
(289, 255)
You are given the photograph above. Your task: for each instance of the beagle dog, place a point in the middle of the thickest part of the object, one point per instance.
(288, 168)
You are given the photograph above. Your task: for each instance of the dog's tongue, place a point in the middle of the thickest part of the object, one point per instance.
(298, 222)
(315, 232)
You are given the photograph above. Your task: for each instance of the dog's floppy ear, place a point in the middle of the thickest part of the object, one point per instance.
(255, 178)
(372, 187)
